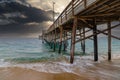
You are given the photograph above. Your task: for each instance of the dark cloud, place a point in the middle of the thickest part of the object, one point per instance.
(20, 17)
(31, 14)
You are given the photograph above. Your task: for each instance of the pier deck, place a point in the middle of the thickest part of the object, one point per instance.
(80, 18)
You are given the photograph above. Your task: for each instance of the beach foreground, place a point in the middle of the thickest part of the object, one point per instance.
(27, 74)
(96, 71)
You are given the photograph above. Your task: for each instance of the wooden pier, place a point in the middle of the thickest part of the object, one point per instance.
(78, 19)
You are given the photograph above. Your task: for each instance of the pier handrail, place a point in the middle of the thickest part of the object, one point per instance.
(72, 9)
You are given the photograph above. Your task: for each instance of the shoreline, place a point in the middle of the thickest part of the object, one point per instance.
(84, 70)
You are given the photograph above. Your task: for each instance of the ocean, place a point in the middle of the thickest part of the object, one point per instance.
(31, 53)
(28, 50)
(33, 50)
(24, 50)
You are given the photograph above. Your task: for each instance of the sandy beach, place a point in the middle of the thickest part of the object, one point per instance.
(100, 71)
(27, 74)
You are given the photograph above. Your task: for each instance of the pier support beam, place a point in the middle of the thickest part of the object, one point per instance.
(60, 45)
(73, 40)
(65, 35)
(82, 36)
(83, 42)
(51, 45)
(109, 40)
(54, 48)
(42, 37)
(95, 41)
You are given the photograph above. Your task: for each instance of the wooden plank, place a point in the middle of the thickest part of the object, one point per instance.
(96, 15)
(105, 7)
(94, 6)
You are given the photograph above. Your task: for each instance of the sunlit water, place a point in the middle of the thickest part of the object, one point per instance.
(32, 54)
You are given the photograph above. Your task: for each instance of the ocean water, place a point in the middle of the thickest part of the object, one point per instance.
(31, 53)
(24, 50)
(102, 46)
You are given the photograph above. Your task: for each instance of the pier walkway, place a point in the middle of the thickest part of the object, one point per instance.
(79, 21)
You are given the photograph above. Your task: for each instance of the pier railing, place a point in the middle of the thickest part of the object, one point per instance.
(73, 8)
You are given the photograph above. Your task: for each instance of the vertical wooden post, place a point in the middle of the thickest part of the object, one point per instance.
(80, 32)
(82, 36)
(47, 38)
(42, 37)
(64, 48)
(54, 41)
(51, 40)
(66, 40)
(60, 45)
(95, 41)
(109, 40)
(83, 44)
(73, 40)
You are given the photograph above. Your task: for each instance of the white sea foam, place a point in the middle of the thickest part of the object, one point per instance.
(3, 63)
(80, 64)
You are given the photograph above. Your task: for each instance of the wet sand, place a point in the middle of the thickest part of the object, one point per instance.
(100, 71)
(27, 74)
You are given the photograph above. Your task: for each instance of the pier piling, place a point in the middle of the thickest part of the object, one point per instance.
(95, 40)
(60, 44)
(73, 40)
(109, 41)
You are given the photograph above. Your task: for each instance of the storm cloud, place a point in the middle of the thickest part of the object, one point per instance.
(29, 17)
(19, 17)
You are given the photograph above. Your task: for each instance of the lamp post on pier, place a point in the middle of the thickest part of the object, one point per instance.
(54, 26)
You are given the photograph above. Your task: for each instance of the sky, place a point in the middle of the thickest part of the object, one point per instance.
(27, 18)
